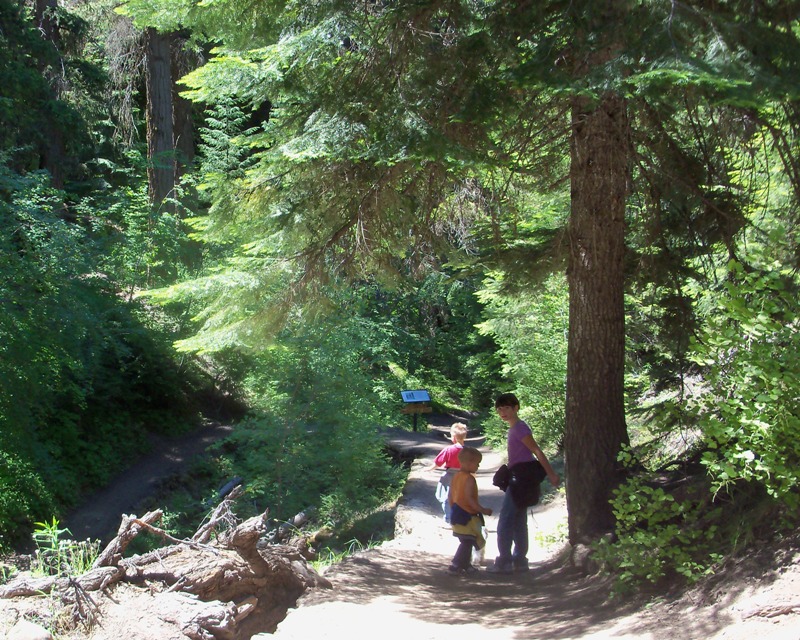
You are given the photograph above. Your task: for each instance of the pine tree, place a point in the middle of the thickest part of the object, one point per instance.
(388, 119)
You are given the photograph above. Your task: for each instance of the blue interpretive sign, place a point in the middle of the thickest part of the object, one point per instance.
(418, 395)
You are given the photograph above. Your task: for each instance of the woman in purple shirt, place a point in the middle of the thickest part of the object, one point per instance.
(512, 522)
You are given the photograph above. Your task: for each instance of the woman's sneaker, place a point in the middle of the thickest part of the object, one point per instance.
(521, 566)
(500, 567)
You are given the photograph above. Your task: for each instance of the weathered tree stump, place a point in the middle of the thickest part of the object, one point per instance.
(227, 588)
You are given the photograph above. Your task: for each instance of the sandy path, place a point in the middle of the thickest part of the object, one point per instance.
(401, 589)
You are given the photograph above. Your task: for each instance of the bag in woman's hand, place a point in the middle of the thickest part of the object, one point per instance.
(524, 482)
(502, 477)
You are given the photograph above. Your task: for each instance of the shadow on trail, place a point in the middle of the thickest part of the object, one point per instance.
(100, 514)
(551, 601)
(555, 602)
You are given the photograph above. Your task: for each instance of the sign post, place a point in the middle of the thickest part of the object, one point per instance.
(416, 402)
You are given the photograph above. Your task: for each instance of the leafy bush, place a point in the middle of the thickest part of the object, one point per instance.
(747, 406)
(658, 536)
(290, 466)
(23, 499)
(313, 439)
(744, 415)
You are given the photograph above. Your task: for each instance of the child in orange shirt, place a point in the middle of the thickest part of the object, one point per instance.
(467, 513)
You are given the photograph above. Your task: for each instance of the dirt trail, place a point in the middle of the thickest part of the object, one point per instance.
(401, 589)
(100, 515)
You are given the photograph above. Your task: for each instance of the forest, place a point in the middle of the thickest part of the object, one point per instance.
(290, 211)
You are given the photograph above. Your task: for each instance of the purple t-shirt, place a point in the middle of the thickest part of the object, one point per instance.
(517, 451)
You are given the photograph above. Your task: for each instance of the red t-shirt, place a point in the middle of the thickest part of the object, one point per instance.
(448, 457)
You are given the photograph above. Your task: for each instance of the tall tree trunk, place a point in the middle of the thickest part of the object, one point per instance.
(595, 413)
(182, 123)
(160, 137)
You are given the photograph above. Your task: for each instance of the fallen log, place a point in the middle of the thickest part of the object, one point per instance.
(93, 580)
(232, 586)
(99, 578)
(129, 528)
(26, 585)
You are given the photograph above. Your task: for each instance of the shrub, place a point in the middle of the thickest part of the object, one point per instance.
(747, 407)
(23, 499)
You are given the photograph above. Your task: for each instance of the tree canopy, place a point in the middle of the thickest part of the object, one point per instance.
(591, 204)
(402, 134)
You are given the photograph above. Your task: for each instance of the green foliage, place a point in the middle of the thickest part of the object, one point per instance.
(381, 157)
(289, 467)
(747, 406)
(85, 375)
(36, 106)
(327, 556)
(555, 537)
(657, 537)
(422, 161)
(23, 499)
(430, 341)
(660, 534)
(54, 556)
(531, 331)
(736, 404)
(314, 439)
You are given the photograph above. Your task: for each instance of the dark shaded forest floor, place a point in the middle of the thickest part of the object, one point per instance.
(400, 589)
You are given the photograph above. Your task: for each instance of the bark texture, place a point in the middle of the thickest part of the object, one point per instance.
(53, 154)
(160, 136)
(595, 413)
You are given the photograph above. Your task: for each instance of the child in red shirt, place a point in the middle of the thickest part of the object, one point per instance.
(448, 460)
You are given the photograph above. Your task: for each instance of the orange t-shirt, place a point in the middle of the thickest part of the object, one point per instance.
(462, 485)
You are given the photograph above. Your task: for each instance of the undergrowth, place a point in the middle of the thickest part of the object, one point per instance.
(684, 531)
(56, 556)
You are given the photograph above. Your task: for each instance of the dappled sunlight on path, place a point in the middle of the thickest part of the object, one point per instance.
(402, 589)
(395, 586)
